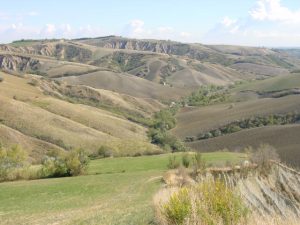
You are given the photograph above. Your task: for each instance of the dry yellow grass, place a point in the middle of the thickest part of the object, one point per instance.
(95, 118)
(35, 147)
(26, 109)
(127, 84)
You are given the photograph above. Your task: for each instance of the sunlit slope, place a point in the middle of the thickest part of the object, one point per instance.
(24, 108)
(126, 84)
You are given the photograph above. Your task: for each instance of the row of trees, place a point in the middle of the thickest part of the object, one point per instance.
(252, 122)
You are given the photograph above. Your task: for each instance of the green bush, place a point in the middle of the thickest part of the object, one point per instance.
(186, 160)
(76, 162)
(53, 165)
(61, 164)
(102, 152)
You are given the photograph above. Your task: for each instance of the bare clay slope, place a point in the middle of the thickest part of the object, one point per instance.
(269, 193)
(224, 55)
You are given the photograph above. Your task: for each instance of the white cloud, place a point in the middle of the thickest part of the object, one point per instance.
(227, 22)
(32, 13)
(185, 34)
(17, 16)
(269, 23)
(16, 31)
(49, 29)
(165, 29)
(273, 10)
(138, 29)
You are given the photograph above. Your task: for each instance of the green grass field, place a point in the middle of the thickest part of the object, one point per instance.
(114, 191)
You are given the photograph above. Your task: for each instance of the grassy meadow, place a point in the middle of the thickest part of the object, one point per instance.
(114, 191)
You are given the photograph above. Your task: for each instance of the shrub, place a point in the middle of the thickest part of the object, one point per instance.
(186, 160)
(60, 164)
(173, 163)
(178, 207)
(13, 162)
(76, 162)
(209, 203)
(103, 152)
(1, 79)
(53, 165)
(216, 202)
(198, 163)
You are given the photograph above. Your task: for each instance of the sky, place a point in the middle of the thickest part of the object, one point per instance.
(269, 23)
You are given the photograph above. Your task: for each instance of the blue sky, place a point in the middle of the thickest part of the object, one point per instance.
(241, 22)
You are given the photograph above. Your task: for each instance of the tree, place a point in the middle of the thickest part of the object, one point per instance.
(76, 162)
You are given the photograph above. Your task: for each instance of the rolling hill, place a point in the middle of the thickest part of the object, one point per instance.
(104, 91)
(123, 95)
(43, 122)
(166, 62)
